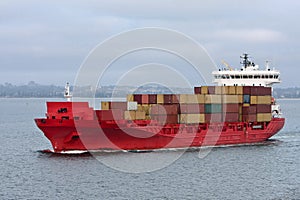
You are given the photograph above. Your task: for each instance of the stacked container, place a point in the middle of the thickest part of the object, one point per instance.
(208, 104)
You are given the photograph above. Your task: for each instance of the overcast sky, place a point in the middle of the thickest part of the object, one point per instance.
(47, 41)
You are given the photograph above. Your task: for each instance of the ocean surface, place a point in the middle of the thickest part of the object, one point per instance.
(266, 171)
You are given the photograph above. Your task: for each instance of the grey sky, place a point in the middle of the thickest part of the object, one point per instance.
(46, 41)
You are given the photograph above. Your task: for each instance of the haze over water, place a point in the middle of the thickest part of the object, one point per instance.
(269, 171)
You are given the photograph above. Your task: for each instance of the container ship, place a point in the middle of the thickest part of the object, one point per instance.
(239, 109)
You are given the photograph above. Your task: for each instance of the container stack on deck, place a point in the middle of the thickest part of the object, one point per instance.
(207, 104)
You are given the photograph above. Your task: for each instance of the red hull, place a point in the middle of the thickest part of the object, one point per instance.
(70, 134)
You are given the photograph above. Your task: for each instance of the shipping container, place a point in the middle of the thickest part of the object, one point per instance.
(145, 98)
(130, 97)
(160, 98)
(129, 114)
(175, 98)
(145, 108)
(264, 108)
(211, 89)
(230, 99)
(152, 98)
(191, 118)
(168, 98)
(218, 89)
(213, 99)
(264, 117)
(204, 90)
(264, 99)
(137, 98)
(214, 117)
(231, 108)
(140, 115)
(231, 117)
(165, 109)
(104, 105)
(249, 118)
(165, 119)
(247, 90)
(132, 105)
(118, 105)
(213, 108)
(239, 90)
(246, 98)
(192, 108)
(253, 100)
(197, 90)
(191, 98)
(249, 109)
(231, 90)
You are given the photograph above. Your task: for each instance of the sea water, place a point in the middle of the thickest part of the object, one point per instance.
(266, 171)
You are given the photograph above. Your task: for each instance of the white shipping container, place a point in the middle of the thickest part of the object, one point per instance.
(132, 105)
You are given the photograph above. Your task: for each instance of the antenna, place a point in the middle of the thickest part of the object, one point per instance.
(267, 65)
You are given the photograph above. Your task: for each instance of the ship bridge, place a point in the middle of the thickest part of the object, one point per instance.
(248, 75)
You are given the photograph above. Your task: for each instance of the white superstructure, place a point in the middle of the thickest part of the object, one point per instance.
(248, 75)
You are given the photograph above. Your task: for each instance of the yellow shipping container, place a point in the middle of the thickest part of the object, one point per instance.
(241, 98)
(231, 99)
(264, 99)
(253, 100)
(160, 98)
(201, 98)
(225, 89)
(231, 90)
(239, 89)
(104, 105)
(129, 114)
(192, 118)
(145, 108)
(218, 89)
(246, 104)
(213, 98)
(204, 90)
(140, 115)
(129, 97)
(264, 117)
(189, 98)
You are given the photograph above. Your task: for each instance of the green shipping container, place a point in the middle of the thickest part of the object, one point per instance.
(213, 108)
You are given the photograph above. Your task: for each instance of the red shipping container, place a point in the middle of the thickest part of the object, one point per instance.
(197, 90)
(137, 98)
(247, 89)
(171, 109)
(231, 108)
(166, 109)
(166, 119)
(214, 117)
(249, 110)
(263, 108)
(231, 117)
(154, 110)
(211, 89)
(175, 98)
(152, 98)
(168, 98)
(118, 105)
(249, 118)
(145, 99)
